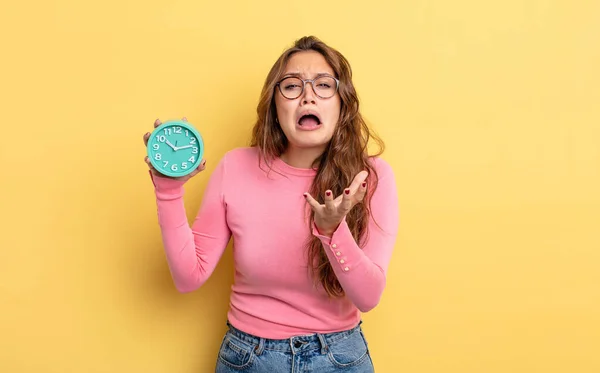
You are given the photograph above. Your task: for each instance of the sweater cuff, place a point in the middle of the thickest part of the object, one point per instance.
(169, 198)
(341, 248)
(166, 188)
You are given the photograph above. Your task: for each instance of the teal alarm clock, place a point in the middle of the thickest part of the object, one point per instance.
(175, 148)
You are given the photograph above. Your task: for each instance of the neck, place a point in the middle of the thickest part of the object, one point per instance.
(301, 157)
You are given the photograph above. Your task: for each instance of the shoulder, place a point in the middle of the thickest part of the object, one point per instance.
(382, 167)
(239, 155)
(385, 194)
(242, 152)
(240, 158)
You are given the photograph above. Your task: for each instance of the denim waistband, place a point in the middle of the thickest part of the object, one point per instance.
(296, 343)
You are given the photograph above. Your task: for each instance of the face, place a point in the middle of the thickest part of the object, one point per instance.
(308, 121)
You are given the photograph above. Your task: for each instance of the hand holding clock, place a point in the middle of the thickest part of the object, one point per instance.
(183, 162)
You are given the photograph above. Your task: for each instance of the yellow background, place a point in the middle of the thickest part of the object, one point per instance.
(490, 111)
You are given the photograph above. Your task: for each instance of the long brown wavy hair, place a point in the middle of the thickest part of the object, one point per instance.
(345, 156)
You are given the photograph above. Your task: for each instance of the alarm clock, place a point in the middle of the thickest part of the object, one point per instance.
(175, 148)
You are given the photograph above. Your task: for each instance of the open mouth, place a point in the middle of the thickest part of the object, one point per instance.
(309, 120)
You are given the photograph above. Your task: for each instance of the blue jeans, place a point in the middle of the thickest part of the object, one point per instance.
(345, 351)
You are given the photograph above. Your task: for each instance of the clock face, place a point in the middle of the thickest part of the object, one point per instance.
(175, 148)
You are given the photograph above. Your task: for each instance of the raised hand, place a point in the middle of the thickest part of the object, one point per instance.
(155, 173)
(328, 216)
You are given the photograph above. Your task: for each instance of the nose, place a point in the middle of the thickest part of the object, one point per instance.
(308, 96)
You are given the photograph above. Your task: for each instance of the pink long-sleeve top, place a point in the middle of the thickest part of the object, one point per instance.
(273, 294)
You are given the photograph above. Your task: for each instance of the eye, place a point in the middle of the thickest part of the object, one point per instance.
(291, 84)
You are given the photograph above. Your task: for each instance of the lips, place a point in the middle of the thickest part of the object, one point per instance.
(309, 118)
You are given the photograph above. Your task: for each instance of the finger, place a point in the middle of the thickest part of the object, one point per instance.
(198, 169)
(147, 160)
(329, 201)
(312, 202)
(202, 166)
(358, 180)
(157, 123)
(346, 200)
(360, 193)
(146, 138)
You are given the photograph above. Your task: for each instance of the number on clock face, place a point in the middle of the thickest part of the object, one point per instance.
(175, 148)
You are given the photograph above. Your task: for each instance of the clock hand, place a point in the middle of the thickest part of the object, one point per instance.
(171, 145)
(184, 147)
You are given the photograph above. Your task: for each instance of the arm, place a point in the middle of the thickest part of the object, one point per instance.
(362, 271)
(192, 252)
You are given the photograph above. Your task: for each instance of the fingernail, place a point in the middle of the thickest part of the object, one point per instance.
(364, 184)
(328, 193)
(184, 118)
(305, 195)
(347, 191)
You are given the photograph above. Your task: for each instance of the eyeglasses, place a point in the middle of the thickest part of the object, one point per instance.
(324, 86)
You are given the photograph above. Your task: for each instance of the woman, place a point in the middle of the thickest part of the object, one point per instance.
(313, 217)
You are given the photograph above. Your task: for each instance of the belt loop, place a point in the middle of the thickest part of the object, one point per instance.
(261, 346)
(323, 343)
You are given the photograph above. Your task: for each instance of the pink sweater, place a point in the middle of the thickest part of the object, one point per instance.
(273, 295)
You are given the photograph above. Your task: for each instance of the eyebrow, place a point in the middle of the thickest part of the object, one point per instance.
(288, 74)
